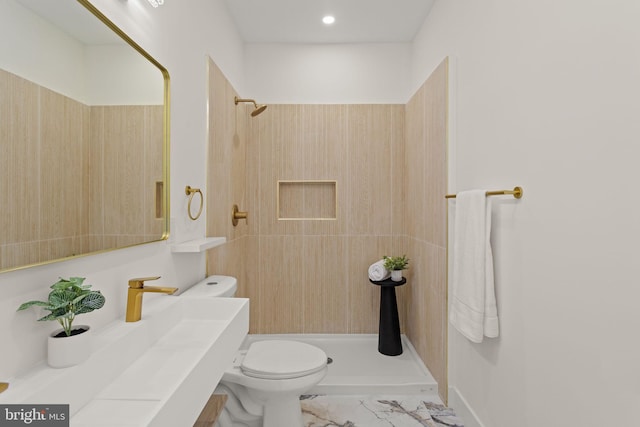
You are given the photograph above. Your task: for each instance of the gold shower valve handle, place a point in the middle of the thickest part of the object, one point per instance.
(236, 215)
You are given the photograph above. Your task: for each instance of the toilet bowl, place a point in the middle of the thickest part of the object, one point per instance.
(265, 381)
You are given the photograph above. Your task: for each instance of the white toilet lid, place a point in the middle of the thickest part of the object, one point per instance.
(280, 359)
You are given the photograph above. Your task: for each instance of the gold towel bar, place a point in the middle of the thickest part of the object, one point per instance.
(516, 192)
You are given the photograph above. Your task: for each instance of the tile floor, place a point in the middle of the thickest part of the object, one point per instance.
(376, 411)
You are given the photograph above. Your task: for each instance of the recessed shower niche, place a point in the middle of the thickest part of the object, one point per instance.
(307, 200)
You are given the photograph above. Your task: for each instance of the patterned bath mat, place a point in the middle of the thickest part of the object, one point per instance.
(376, 411)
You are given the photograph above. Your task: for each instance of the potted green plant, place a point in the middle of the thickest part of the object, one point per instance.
(395, 264)
(70, 345)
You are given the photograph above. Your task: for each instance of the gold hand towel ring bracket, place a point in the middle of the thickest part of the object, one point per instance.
(189, 191)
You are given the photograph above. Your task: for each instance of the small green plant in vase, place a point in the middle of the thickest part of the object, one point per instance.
(395, 265)
(68, 299)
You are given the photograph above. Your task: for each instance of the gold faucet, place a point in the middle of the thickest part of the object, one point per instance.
(3, 387)
(134, 296)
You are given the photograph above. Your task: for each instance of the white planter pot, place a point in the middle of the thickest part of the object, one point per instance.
(69, 351)
(396, 275)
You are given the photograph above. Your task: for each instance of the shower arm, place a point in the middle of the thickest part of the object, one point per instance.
(239, 100)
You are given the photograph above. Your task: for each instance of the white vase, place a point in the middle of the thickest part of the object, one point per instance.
(396, 275)
(67, 351)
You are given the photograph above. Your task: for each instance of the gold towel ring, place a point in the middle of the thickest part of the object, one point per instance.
(191, 192)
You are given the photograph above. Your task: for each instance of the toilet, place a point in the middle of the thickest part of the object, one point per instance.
(265, 381)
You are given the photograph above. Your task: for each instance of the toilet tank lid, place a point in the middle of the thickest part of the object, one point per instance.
(214, 286)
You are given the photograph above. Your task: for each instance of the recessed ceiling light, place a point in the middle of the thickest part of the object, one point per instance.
(328, 19)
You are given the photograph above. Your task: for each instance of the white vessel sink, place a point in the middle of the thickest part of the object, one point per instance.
(159, 371)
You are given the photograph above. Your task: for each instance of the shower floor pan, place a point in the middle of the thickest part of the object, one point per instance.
(358, 368)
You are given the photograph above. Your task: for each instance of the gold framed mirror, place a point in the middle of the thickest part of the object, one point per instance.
(84, 135)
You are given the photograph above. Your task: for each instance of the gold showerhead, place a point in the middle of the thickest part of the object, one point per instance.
(258, 108)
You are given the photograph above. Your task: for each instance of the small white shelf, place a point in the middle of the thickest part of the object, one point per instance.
(198, 245)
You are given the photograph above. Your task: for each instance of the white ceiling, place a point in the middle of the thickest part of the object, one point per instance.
(300, 21)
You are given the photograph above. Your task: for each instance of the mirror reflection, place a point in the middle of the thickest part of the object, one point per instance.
(82, 136)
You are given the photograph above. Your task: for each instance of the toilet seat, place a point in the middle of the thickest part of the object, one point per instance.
(280, 359)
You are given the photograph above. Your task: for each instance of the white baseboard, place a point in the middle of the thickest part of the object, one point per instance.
(462, 408)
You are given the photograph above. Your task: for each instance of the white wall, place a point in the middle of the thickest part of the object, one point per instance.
(179, 36)
(547, 98)
(119, 75)
(39, 52)
(328, 73)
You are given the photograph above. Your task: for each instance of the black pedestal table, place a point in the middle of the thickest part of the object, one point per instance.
(389, 342)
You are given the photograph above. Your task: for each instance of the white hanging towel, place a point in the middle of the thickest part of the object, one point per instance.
(473, 308)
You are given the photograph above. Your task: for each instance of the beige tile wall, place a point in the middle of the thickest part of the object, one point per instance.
(153, 167)
(41, 154)
(425, 183)
(49, 143)
(62, 140)
(19, 192)
(128, 163)
(311, 276)
(226, 163)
